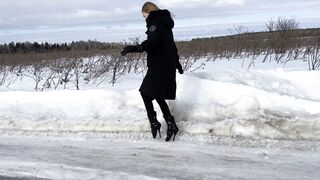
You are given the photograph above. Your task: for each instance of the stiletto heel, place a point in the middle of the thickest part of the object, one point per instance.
(174, 136)
(159, 132)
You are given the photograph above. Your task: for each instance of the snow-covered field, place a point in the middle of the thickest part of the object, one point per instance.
(235, 122)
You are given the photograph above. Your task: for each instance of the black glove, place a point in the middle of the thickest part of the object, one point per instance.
(128, 49)
(180, 71)
(179, 67)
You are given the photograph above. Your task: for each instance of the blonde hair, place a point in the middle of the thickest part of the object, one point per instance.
(148, 7)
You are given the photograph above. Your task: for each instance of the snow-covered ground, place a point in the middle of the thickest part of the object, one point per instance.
(235, 122)
(221, 98)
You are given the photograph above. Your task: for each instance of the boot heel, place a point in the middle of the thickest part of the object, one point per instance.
(174, 136)
(159, 132)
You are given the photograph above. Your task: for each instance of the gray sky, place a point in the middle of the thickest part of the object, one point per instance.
(110, 20)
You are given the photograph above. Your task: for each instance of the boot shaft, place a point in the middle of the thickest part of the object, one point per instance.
(169, 119)
(152, 117)
(170, 122)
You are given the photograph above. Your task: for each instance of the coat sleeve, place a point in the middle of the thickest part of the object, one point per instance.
(153, 39)
(178, 65)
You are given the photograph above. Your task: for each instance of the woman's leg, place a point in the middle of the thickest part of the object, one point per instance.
(172, 127)
(148, 104)
(164, 107)
(152, 116)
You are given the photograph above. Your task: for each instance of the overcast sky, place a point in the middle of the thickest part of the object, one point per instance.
(118, 20)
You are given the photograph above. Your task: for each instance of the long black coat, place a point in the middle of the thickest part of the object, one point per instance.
(162, 57)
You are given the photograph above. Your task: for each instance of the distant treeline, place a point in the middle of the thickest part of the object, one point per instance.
(252, 42)
(282, 36)
(35, 47)
(240, 44)
(277, 40)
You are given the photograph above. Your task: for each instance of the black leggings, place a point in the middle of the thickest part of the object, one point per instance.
(149, 106)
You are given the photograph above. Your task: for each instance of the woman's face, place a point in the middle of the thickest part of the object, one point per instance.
(145, 15)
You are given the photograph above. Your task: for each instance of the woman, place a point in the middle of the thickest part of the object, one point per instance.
(162, 61)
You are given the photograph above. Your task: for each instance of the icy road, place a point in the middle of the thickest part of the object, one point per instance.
(31, 157)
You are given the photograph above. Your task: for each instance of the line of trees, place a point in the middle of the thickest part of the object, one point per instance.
(45, 47)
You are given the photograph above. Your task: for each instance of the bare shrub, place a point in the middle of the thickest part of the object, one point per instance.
(313, 57)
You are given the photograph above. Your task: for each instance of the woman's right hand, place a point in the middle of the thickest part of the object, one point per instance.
(127, 49)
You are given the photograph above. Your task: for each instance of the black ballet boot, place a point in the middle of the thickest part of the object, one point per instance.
(155, 125)
(172, 127)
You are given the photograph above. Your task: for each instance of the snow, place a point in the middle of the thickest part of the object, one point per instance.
(220, 98)
(235, 123)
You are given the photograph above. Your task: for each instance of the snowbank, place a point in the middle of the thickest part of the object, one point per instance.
(221, 98)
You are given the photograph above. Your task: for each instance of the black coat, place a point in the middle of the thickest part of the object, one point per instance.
(162, 57)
